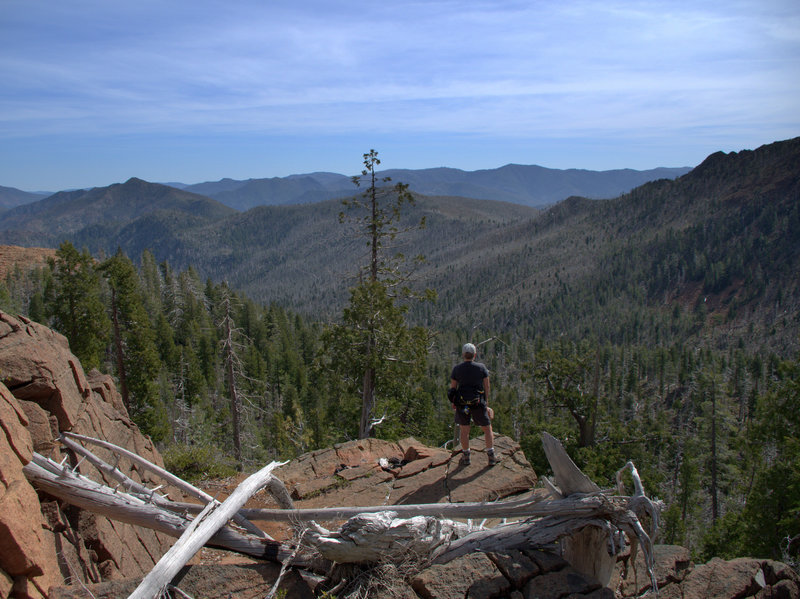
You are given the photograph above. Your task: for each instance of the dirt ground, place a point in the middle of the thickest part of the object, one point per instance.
(220, 489)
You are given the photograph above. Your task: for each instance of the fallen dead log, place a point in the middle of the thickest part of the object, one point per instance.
(198, 533)
(75, 489)
(165, 475)
(517, 535)
(533, 505)
(591, 524)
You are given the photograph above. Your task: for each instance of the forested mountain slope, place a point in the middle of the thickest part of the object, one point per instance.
(298, 255)
(712, 255)
(301, 256)
(11, 197)
(104, 212)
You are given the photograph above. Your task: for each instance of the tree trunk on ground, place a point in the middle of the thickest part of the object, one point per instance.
(202, 528)
(587, 521)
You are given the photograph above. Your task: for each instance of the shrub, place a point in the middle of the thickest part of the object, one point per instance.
(197, 462)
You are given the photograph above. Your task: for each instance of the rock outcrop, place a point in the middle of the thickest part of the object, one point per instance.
(679, 578)
(412, 473)
(43, 543)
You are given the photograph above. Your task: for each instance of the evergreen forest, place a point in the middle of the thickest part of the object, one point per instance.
(675, 347)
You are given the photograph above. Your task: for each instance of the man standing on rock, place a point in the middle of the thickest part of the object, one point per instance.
(469, 395)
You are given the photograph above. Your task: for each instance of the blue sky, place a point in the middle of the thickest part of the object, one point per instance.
(93, 92)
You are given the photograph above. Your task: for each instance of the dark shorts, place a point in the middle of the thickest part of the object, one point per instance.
(478, 413)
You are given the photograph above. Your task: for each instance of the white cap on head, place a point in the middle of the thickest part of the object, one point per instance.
(468, 349)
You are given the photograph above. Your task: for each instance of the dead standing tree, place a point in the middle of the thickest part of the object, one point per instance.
(591, 524)
(232, 368)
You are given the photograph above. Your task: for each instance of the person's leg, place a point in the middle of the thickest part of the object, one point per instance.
(489, 436)
(463, 430)
(462, 417)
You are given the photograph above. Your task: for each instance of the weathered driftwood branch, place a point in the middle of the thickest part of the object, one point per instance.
(110, 471)
(381, 536)
(165, 475)
(198, 533)
(569, 478)
(588, 522)
(642, 508)
(533, 505)
(75, 489)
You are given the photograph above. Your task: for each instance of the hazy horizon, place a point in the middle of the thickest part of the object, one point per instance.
(95, 92)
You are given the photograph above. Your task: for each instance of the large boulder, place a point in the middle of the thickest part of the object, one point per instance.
(44, 391)
(376, 472)
(678, 577)
(28, 560)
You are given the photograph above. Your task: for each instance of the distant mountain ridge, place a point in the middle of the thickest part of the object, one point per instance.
(533, 186)
(10, 197)
(67, 214)
(721, 240)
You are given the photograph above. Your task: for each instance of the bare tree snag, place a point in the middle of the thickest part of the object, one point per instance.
(232, 368)
(77, 490)
(165, 475)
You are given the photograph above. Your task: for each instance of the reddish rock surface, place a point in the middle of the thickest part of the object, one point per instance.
(350, 474)
(27, 552)
(251, 581)
(44, 390)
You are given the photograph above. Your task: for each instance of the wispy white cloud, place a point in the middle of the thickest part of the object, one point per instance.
(504, 69)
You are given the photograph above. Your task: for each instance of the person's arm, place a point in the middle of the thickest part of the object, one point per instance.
(486, 389)
(453, 385)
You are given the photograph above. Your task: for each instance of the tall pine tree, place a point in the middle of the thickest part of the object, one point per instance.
(136, 353)
(374, 350)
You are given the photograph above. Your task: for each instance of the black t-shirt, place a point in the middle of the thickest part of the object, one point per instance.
(470, 377)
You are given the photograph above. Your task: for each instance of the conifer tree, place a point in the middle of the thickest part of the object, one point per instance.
(568, 379)
(73, 299)
(374, 349)
(135, 348)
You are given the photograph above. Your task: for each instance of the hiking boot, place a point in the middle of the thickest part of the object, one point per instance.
(465, 459)
(493, 459)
